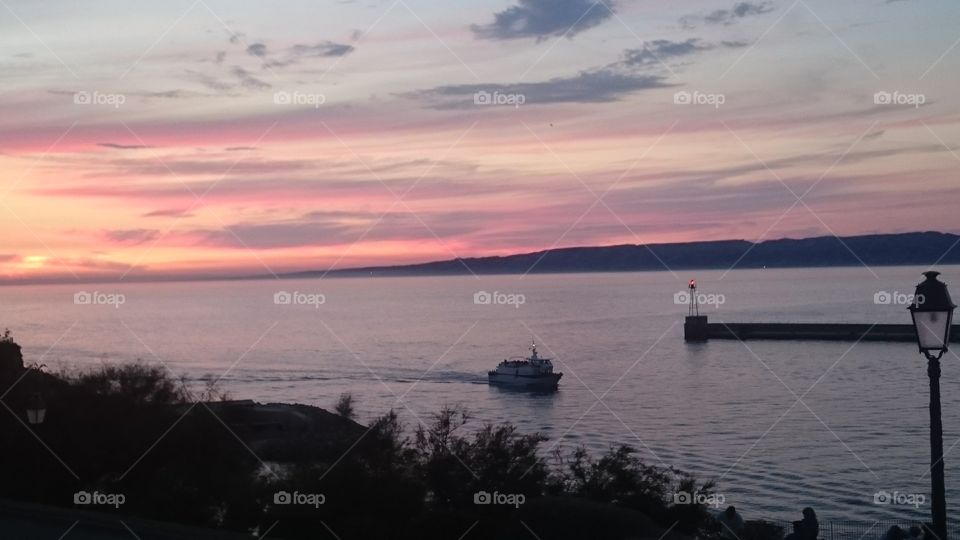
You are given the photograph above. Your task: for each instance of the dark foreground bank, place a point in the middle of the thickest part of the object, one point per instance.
(132, 441)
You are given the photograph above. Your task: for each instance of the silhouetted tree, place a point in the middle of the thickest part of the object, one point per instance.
(619, 477)
(11, 356)
(137, 430)
(344, 406)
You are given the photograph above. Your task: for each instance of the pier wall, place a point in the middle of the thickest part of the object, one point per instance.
(699, 329)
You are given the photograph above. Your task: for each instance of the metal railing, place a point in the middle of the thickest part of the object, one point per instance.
(845, 530)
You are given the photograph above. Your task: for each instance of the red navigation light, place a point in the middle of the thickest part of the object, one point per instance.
(693, 284)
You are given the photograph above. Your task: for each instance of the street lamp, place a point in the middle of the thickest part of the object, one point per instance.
(36, 409)
(932, 312)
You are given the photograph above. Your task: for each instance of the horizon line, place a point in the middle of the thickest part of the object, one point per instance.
(398, 268)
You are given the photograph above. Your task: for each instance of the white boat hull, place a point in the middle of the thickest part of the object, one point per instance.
(530, 382)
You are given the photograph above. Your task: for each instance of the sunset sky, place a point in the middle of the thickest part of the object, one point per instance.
(219, 137)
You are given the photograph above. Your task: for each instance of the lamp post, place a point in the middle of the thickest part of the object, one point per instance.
(932, 312)
(36, 409)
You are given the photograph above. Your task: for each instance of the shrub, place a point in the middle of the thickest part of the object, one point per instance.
(619, 477)
(344, 406)
(137, 430)
(11, 357)
(136, 384)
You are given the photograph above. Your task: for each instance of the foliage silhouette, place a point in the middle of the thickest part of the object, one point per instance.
(176, 456)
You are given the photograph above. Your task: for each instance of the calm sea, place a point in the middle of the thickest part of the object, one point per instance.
(779, 425)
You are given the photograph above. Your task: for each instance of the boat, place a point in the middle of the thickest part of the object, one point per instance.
(530, 373)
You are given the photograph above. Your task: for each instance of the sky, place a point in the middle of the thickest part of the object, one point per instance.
(220, 137)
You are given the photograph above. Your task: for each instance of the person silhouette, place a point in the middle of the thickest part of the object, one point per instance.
(895, 533)
(731, 524)
(807, 528)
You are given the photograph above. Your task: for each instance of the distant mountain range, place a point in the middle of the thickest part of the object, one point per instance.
(918, 248)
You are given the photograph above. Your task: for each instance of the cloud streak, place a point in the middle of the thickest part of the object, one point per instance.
(540, 19)
(597, 86)
(130, 237)
(118, 146)
(727, 17)
(663, 50)
(298, 52)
